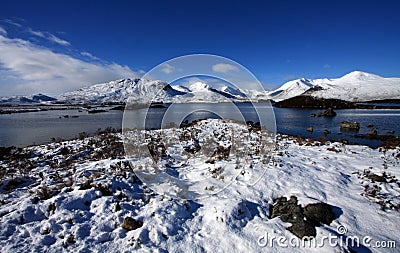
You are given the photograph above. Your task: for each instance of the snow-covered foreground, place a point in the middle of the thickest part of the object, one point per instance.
(74, 196)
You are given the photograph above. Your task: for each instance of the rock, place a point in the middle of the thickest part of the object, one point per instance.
(310, 129)
(377, 178)
(221, 152)
(373, 132)
(290, 211)
(253, 126)
(131, 224)
(304, 220)
(326, 131)
(346, 125)
(303, 229)
(64, 151)
(328, 113)
(390, 131)
(193, 147)
(370, 125)
(319, 213)
(285, 208)
(157, 149)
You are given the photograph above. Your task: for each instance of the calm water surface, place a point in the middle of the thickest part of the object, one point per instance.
(22, 129)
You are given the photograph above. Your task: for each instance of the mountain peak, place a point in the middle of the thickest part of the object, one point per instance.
(198, 86)
(354, 86)
(360, 75)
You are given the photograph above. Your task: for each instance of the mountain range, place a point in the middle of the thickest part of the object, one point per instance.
(33, 99)
(356, 86)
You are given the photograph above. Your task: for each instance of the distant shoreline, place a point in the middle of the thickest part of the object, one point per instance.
(299, 102)
(309, 102)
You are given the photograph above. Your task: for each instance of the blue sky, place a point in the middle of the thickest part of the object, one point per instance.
(55, 46)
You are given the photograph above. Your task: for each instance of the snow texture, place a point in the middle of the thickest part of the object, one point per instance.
(71, 196)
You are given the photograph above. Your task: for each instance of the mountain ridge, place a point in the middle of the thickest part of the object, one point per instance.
(356, 86)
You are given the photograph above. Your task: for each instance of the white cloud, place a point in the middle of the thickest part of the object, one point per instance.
(27, 68)
(57, 40)
(91, 56)
(11, 22)
(224, 68)
(37, 33)
(167, 68)
(49, 36)
(3, 31)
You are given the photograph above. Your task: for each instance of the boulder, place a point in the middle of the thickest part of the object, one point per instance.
(303, 229)
(346, 125)
(288, 210)
(373, 132)
(377, 178)
(131, 224)
(327, 113)
(344, 141)
(304, 220)
(319, 213)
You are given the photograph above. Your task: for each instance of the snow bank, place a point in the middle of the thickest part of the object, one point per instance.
(75, 195)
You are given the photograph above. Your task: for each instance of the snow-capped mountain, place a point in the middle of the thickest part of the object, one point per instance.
(233, 91)
(247, 94)
(34, 99)
(199, 87)
(202, 88)
(143, 91)
(237, 94)
(137, 90)
(356, 86)
(202, 92)
(291, 89)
